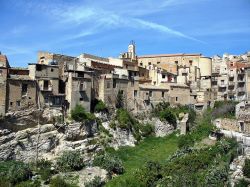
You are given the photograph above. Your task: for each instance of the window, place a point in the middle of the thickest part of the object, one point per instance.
(46, 85)
(176, 98)
(176, 62)
(24, 89)
(18, 103)
(163, 76)
(149, 63)
(114, 83)
(46, 100)
(158, 62)
(141, 64)
(82, 86)
(108, 84)
(51, 69)
(162, 94)
(190, 62)
(150, 94)
(11, 103)
(38, 67)
(135, 93)
(1, 72)
(81, 99)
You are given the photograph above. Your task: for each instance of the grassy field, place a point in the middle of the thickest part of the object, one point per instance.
(152, 148)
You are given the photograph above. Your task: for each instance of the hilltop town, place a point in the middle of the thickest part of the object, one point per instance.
(62, 81)
(126, 121)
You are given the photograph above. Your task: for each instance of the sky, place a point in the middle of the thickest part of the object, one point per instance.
(106, 27)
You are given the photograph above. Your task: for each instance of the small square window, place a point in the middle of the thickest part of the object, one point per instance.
(163, 76)
(18, 103)
(81, 99)
(149, 63)
(158, 62)
(176, 62)
(141, 64)
(51, 69)
(11, 103)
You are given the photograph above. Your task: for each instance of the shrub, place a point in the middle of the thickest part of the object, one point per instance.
(242, 183)
(146, 129)
(36, 183)
(44, 169)
(58, 182)
(168, 115)
(96, 182)
(246, 168)
(100, 107)
(70, 161)
(185, 141)
(18, 172)
(149, 174)
(110, 163)
(78, 113)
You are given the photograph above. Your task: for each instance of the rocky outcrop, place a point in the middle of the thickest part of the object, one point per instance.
(120, 137)
(85, 175)
(161, 128)
(46, 141)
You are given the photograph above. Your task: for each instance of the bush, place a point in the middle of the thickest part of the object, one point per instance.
(185, 141)
(96, 182)
(146, 129)
(246, 168)
(70, 161)
(168, 115)
(18, 172)
(79, 114)
(242, 183)
(36, 183)
(44, 169)
(110, 163)
(100, 107)
(58, 182)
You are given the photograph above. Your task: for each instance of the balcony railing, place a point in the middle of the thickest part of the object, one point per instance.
(230, 83)
(222, 84)
(241, 89)
(47, 89)
(231, 75)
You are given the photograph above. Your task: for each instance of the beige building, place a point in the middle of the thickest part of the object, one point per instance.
(4, 65)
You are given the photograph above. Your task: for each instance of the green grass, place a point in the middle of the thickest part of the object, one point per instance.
(152, 148)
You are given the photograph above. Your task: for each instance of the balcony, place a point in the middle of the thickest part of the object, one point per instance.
(241, 72)
(241, 80)
(231, 83)
(46, 89)
(231, 92)
(223, 85)
(231, 75)
(241, 89)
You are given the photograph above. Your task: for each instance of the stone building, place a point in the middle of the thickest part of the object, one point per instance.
(4, 65)
(21, 90)
(230, 77)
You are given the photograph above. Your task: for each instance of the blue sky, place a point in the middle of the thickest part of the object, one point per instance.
(106, 27)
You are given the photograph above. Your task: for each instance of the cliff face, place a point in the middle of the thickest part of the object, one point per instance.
(21, 138)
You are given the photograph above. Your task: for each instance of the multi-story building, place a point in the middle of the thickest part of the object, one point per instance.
(64, 81)
(229, 77)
